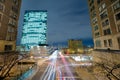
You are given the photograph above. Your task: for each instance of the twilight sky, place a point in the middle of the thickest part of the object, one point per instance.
(67, 19)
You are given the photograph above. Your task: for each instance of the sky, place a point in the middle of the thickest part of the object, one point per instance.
(67, 19)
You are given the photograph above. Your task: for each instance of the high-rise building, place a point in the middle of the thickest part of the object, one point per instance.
(75, 46)
(105, 22)
(9, 16)
(34, 28)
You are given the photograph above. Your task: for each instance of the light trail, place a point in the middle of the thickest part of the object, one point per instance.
(69, 73)
(49, 73)
(42, 78)
(59, 72)
(53, 69)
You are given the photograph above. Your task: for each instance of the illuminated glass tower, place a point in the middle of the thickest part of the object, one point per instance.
(34, 28)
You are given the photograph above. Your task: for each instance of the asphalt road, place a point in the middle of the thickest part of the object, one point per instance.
(58, 67)
(40, 71)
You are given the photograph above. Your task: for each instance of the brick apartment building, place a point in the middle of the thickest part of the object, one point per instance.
(9, 15)
(105, 22)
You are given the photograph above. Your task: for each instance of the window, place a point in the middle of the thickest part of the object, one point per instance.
(0, 16)
(10, 29)
(8, 47)
(99, 1)
(1, 7)
(15, 2)
(102, 7)
(96, 28)
(103, 15)
(98, 43)
(117, 16)
(12, 22)
(13, 15)
(15, 9)
(2, 0)
(94, 20)
(92, 8)
(105, 43)
(97, 34)
(116, 6)
(8, 37)
(118, 39)
(118, 27)
(105, 23)
(110, 42)
(0, 25)
(113, 0)
(91, 2)
(107, 32)
(93, 14)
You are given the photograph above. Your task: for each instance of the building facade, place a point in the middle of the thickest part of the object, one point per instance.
(105, 22)
(75, 46)
(9, 16)
(34, 28)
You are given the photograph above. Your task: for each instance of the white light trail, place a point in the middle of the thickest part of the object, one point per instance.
(49, 73)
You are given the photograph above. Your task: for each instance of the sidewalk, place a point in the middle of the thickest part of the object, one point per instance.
(85, 75)
(36, 69)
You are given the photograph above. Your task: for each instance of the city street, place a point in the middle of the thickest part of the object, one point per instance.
(59, 67)
(59, 39)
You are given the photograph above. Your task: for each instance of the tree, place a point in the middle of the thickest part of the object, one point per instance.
(110, 70)
(10, 59)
